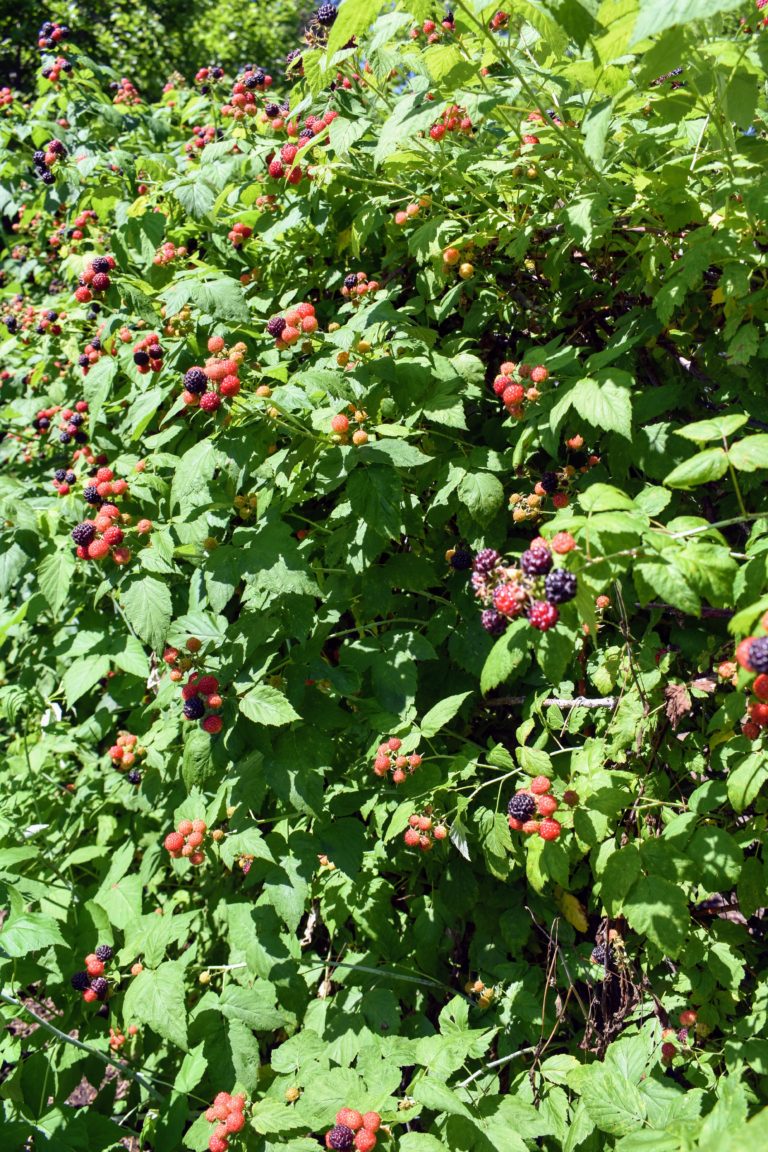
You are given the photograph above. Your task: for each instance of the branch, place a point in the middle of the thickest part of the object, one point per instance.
(119, 1064)
(496, 1064)
(577, 702)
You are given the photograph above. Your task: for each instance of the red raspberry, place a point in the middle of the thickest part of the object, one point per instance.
(758, 713)
(190, 689)
(394, 744)
(742, 653)
(440, 832)
(230, 386)
(210, 401)
(411, 837)
(542, 615)
(185, 827)
(531, 826)
(506, 601)
(381, 765)
(100, 282)
(562, 542)
(546, 805)
(515, 825)
(89, 996)
(365, 1140)
(276, 169)
(668, 1052)
(104, 474)
(539, 785)
(113, 535)
(340, 423)
(174, 842)
(82, 295)
(212, 725)
(349, 1117)
(235, 1122)
(501, 383)
(237, 1103)
(214, 700)
(550, 829)
(437, 131)
(688, 1017)
(513, 395)
(760, 686)
(216, 1144)
(206, 685)
(539, 374)
(98, 549)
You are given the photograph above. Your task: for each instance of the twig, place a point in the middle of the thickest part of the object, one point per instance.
(119, 1064)
(496, 1064)
(556, 702)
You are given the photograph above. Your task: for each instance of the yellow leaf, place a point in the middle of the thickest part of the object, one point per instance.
(573, 910)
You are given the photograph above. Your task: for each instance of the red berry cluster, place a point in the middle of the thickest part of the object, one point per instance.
(357, 284)
(354, 1129)
(63, 481)
(95, 278)
(73, 423)
(102, 537)
(202, 134)
(106, 484)
(411, 211)
(125, 93)
(91, 982)
(227, 1113)
(168, 252)
(535, 800)
(298, 321)
(200, 695)
(83, 220)
(242, 101)
(499, 20)
(389, 759)
(421, 830)
(239, 233)
(453, 119)
(41, 422)
(187, 841)
(148, 354)
(752, 656)
(6, 97)
(218, 380)
(53, 71)
(432, 31)
(124, 752)
(533, 587)
(340, 425)
(554, 484)
(91, 355)
(50, 35)
(513, 392)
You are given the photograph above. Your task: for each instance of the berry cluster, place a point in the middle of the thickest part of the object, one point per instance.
(674, 1037)
(341, 424)
(204, 76)
(453, 119)
(202, 134)
(421, 830)
(411, 211)
(528, 803)
(432, 31)
(201, 695)
(242, 102)
(75, 232)
(485, 994)
(179, 664)
(148, 354)
(72, 422)
(50, 35)
(534, 588)
(752, 656)
(6, 97)
(227, 1113)
(95, 278)
(239, 233)
(187, 841)
(97, 539)
(91, 354)
(353, 1129)
(245, 505)
(104, 484)
(509, 386)
(45, 158)
(124, 92)
(499, 21)
(357, 284)
(291, 325)
(63, 480)
(206, 387)
(117, 1039)
(168, 252)
(553, 484)
(91, 981)
(389, 759)
(452, 257)
(124, 754)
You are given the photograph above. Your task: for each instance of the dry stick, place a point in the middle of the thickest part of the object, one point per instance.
(496, 1064)
(119, 1064)
(554, 701)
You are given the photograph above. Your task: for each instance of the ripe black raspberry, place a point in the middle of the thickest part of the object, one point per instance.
(105, 952)
(560, 586)
(59, 475)
(64, 438)
(493, 622)
(326, 15)
(350, 281)
(156, 352)
(486, 560)
(76, 418)
(276, 326)
(758, 655)
(70, 478)
(80, 981)
(340, 1137)
(100, 986)
(11, 324)
(83, 360)
(91, 495)
(100, 264)
(194, 708)
(536, 561)
(521, 807)
(461, 560)
(141, 358)
(134, 776)
(84, 533)
(549, 482)
(271, 110)
(196, 381)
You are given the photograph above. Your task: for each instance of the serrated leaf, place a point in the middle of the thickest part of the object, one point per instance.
(156, 998)
(507, 654)
(442, 714)
(148, 608)
(265, 704)
(604, 405)
(711, 464)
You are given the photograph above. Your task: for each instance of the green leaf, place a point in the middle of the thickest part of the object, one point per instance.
(745, 782)
(156, 998)
(195, 195)
(267, 705)
(750, 454)
(442, 714)
(604, 405)
(196, 763)
(702, 468)
(148, 609)
(613, 1102)
(29, 932)
(667, 582)
(716, 856)
(438, 1097)
(595, 126)
(656, 15)
(714, 429)
(507, 654)
(82, 674)
(54, 574)
(658, 909)
(482, 494)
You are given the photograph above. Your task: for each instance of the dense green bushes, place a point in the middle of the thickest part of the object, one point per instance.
(401, 451)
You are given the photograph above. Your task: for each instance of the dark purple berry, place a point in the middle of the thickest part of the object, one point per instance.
(276, 326)
(100, 986)
(521, 807)
(486, 560)
(84, 533)
(758, 655)
(194, 709)
(461, 560)
(100, 264)
(91, 494)
(340, 1137)
(105, 952)
(326, 15)
(560, 586)
(493, 622)
(195, 381)
(80, 981)
(536, 561)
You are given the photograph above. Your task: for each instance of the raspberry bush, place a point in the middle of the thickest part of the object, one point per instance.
(383, 587)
